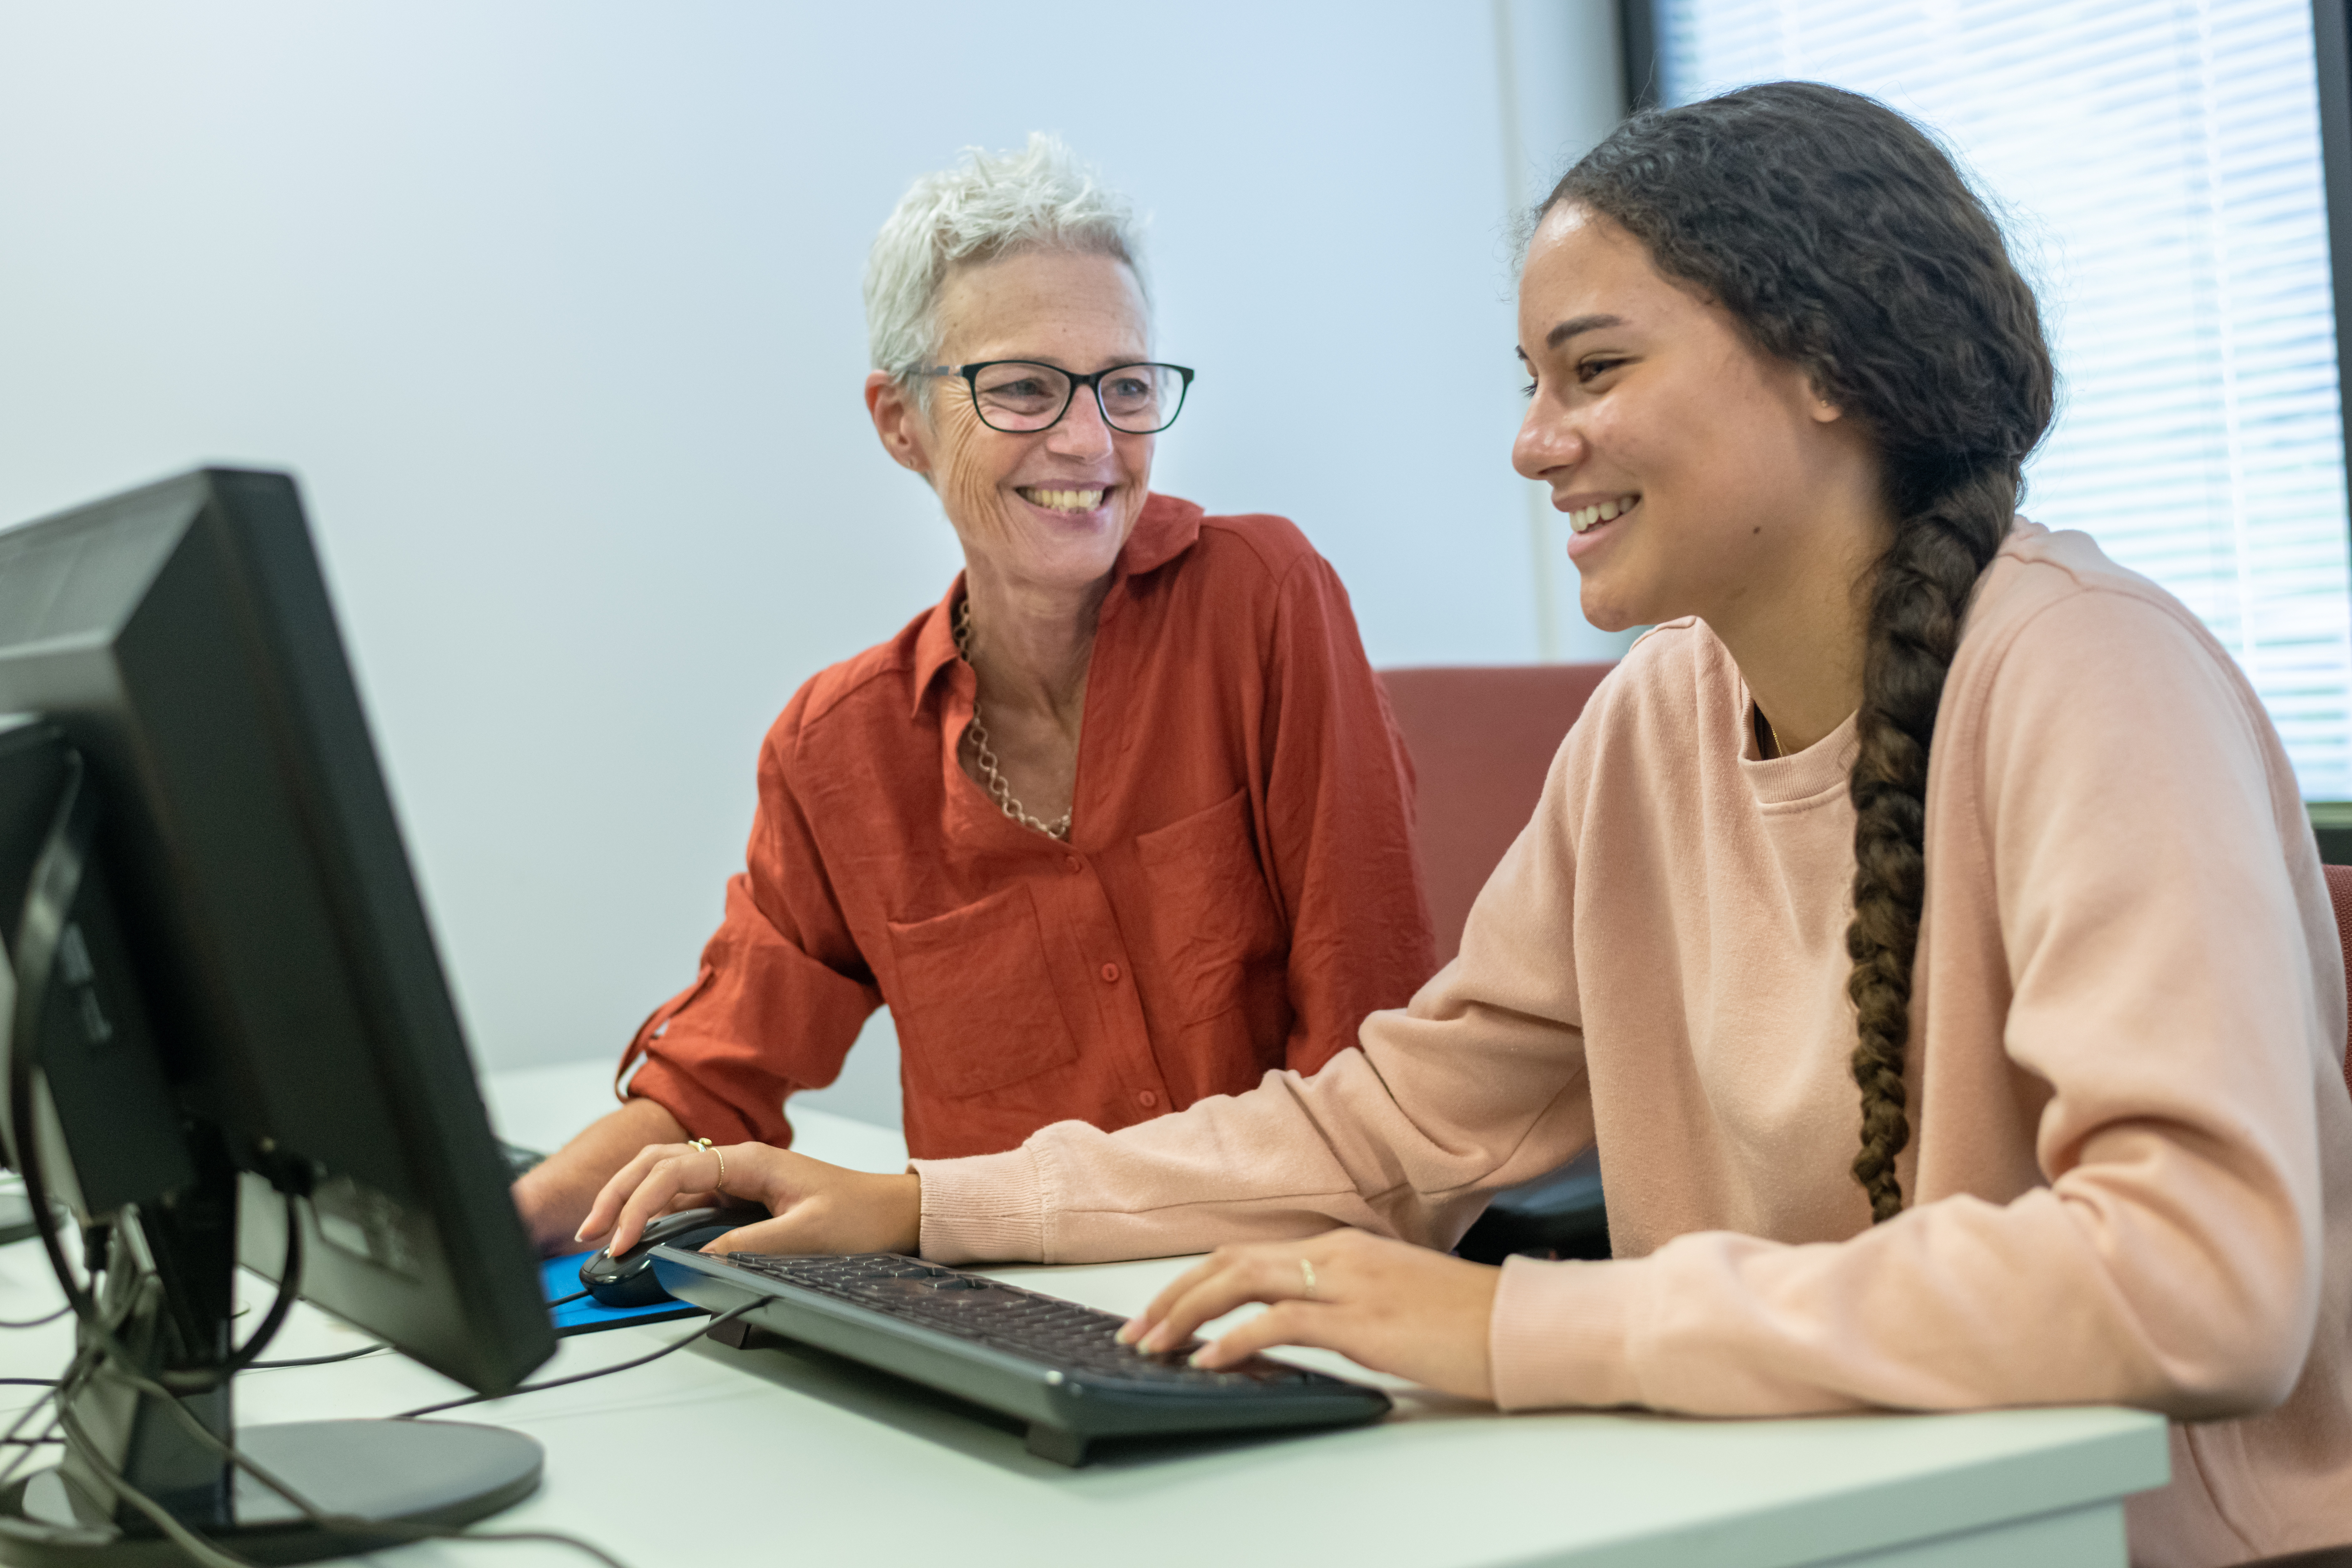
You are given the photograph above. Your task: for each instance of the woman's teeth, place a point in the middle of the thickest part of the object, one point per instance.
(1586, 517)
(1064, 501)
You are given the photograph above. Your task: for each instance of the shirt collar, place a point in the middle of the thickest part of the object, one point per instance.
(1167, 528)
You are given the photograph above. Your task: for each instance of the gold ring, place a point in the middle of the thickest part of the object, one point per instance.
(701, 1143)
(1307, 1272)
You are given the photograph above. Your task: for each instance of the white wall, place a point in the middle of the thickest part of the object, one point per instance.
(1561, 89)
(553, 307)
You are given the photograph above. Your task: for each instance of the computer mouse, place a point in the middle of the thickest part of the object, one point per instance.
(628, 1280)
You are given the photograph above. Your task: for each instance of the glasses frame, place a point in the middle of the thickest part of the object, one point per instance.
(971, 377)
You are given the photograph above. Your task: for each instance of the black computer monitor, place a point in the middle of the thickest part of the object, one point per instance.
(229, 1015)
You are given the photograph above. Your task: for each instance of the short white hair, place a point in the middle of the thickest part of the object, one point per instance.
(1040, 198)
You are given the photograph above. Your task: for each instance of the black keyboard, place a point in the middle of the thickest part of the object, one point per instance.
(1039, 1359)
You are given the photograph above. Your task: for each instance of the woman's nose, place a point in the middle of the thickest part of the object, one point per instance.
(1082, 432)
(1549, 440)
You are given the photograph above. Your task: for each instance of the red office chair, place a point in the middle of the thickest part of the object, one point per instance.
(1481, 738)
(1481, 741)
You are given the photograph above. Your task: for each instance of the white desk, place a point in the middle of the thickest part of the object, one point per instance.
(771, 1455)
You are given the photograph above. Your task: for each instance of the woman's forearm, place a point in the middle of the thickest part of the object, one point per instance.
(554, 1197)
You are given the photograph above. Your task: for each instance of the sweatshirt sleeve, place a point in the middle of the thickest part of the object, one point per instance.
(2151, 876)
(782, 989)
(1477, 1084)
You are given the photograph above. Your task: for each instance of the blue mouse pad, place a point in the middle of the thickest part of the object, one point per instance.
(561, 1276)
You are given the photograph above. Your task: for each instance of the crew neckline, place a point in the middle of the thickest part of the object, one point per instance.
(1822, 768)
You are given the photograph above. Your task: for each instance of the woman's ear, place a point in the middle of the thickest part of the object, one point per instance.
(905, 433)
(1818, 406)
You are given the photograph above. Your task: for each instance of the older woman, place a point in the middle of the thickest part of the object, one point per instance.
(1119, 823)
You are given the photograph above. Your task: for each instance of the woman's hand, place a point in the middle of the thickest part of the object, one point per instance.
(816, 1208)
(553, 1194)
(1387, 1305)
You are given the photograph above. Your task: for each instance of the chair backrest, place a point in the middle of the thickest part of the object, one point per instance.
(2339, 893)
(1481, 740)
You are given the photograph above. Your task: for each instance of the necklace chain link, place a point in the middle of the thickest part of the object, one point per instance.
(998, 789)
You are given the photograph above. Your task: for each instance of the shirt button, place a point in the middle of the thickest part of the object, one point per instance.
(1110, 974)
(1147, 1100)
(1073, 864)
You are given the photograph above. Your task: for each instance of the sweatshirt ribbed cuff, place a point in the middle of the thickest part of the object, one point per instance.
(1559, 1335)
(989, 1209)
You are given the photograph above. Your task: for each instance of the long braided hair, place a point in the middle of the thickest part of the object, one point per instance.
(1844, 240)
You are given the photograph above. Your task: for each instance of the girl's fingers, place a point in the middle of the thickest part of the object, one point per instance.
(1135, 1328)
(1290, 1322)
(667, 1178)
(663, 1178)
(778, 1235)
(1255, 1274)
(616, 1190)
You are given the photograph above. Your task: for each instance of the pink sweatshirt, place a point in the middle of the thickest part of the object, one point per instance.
(2130, 1177)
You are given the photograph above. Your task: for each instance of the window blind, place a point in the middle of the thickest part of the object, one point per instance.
(2157, 165)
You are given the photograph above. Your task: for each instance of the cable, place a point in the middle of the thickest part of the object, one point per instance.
(315, 1360)
(66, 1386)
(185, 1539)
(79, 1301)
(289, 1281)
(354, 1355)
(26, 1447)
(11, 1438)
(40, 915)
(29, 1381)
(348, 1355)
(675, 1345)
(35, 1323)
(70, 833)
(85, 1357)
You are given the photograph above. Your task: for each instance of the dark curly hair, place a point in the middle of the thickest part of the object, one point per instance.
(1844, 240)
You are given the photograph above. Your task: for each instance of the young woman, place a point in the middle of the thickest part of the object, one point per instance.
(1906, 804)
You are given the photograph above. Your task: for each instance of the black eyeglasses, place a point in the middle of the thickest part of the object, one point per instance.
(1022, 396)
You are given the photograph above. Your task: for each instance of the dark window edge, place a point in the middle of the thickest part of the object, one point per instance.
(1637, 44)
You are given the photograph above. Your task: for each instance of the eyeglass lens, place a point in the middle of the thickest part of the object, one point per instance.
(1138, 399)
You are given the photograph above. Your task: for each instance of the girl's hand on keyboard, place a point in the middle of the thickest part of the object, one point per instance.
(1387, 1305)
(816, 1208)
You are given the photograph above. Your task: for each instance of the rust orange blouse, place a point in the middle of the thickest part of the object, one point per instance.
(1237, 891)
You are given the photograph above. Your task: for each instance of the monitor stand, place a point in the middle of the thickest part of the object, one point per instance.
(169, 1289)
(378, 1483)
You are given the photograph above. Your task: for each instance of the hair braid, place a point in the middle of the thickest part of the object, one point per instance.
(1916, 603)
(1844, 240)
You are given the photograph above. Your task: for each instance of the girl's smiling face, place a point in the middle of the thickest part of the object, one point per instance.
(1686, 459)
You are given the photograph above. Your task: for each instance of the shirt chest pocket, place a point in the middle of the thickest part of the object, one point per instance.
(1214, 919)
(975, 1001)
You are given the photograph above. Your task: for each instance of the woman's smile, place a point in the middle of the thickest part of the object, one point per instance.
(1594, 518)
(1067, 504)
(1589, 515)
